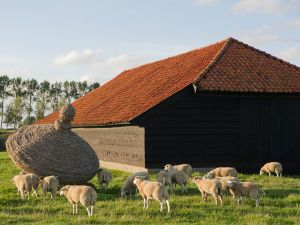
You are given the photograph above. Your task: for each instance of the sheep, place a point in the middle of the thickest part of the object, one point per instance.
(222, 172)
(164, 177)
(35, 180)
(86, 195)
(23, 184)
(50, 183)
(245, 189)
(152, 190)
(104, 177)
(209, 186)
(223, 181)
(272, 167)
(128, 185)
(187, 168)
(180, 178)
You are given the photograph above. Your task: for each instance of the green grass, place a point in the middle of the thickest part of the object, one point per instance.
(281, 205)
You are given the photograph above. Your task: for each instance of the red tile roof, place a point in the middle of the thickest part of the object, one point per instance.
(228, 65)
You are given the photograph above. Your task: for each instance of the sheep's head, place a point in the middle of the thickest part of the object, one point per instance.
(208, 176)
(138, 179)
(195, 179)
(168, 167)
(231, 183)
(64, 190)
(261, 172)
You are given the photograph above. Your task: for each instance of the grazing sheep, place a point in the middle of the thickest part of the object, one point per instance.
(180, 178)
(129, 187)
(23, 184)
(86, 195)
(35, 180)
(164, 177)
(187, 168)
(50, 183)
(272, 167)
(152, 190)
(222, 172)
(224, 182)
(104, 177)
(245, 189)
(209, 186)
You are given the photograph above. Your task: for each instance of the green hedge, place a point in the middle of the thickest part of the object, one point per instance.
(3, 136)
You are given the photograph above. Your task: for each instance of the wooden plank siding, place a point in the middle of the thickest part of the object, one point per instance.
(210, 130)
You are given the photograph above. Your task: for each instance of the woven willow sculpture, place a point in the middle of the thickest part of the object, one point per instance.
(53, 149)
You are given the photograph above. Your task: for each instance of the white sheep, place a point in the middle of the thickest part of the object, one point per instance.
(128, 186)
(187, 168)
(104, 177)
(272, 167)
(50, 183)
(86, 195)
(245, 189)
(222, 172)
(152, 190)
(180, 178)
(164, 177)
(209, 186)
(23, 184)
(224, 182)
(35, 180)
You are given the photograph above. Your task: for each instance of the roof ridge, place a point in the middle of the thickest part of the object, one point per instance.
(217, 57)
(263, 52)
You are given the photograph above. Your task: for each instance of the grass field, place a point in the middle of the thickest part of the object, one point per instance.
(281, 205)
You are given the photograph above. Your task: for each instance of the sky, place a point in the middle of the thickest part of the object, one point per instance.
(95, 40)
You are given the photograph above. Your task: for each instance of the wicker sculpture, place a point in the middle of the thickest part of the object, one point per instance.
(53, 149)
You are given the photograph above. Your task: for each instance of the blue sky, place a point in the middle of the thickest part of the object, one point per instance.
(96, 40)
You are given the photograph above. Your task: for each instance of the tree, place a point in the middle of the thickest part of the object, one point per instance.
(55, 95)
(74, 90)
(82, 88)
(4, 93)
(31, 89)
(67, 91)
(43, 99)
(15, 111)
(17, 86)
(94, 86)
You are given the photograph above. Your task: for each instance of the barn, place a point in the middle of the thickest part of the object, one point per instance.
(226, 104)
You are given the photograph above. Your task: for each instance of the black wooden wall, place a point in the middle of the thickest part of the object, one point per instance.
(219, 129)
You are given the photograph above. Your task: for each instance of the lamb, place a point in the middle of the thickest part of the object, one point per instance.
(272, 167)
(104, 177)
(86, 195)
(164, 177)
(23, 184)
(50, 183)
(245, 189)
(128, 186)
(222, 172)
(187, 168)
(152, 190)
(180, 178)
(209, 186)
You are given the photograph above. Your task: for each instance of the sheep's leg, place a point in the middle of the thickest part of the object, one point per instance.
(270, 174)
(76, 208)
(22, 194)
(147, 202)
(161, 206)
(73, 212)
(100, 186)
(168, 205)
(144, 203)
(88, 211)
(216, 199)
(220, 199)
(92, 210)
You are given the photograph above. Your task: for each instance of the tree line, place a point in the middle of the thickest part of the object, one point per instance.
(23, 102)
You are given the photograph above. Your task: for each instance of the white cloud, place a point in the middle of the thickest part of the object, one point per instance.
(205, 2)
(262, 6)
(295, 23)
(290, 54)
(75, 57)
(116, 64)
